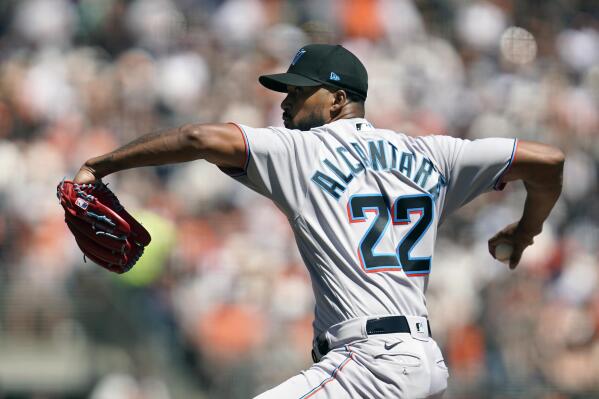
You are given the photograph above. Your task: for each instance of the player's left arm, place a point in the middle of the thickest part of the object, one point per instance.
(540, 167)
(220, 144)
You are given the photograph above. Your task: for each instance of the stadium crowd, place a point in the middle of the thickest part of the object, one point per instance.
(220, 305)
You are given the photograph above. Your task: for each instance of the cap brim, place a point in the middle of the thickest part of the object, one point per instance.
(280, 81)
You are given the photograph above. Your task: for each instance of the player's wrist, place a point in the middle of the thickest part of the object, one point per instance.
(96, 166)
(527, 231)
(86, 174)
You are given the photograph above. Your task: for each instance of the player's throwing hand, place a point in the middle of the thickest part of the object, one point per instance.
(514, 239)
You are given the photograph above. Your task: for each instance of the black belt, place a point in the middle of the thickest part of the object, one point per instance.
(381, 325)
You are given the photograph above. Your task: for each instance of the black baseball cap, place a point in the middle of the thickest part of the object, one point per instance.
(321, 64)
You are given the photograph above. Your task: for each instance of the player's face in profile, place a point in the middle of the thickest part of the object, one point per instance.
(305, 107)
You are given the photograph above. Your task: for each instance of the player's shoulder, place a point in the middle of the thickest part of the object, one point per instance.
(434, 141)
(278, 133)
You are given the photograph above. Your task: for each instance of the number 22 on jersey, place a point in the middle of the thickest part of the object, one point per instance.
(398, 214)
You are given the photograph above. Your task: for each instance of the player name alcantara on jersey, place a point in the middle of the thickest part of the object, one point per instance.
(379, 156)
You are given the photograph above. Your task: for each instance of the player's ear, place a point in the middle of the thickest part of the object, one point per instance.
(339, 100)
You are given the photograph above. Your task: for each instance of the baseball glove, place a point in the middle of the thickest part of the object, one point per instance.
(105, 232)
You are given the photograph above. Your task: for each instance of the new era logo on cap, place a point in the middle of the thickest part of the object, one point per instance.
(334, 76)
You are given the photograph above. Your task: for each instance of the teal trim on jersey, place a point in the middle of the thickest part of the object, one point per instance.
(424, 172)
(345, 178)
(368, 259)
(362, 154)
(394, 150)
(409, 264)
(405, 163)
(399, 214)
(377, 158)
(328, 184)
(355, 170)
(436, 190)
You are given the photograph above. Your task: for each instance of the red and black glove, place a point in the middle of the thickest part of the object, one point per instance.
(105, 232)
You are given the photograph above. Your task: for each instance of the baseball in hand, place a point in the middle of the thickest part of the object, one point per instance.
(503, 252)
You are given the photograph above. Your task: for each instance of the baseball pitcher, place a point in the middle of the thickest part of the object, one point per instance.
(364, 204)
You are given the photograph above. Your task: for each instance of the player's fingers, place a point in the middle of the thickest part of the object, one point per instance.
(495, 237)
(492, 246)
(494, 241)
(516, 256)
(504, 234)
(85, 176)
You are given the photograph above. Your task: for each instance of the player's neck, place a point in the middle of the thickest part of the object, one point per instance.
(349, 111)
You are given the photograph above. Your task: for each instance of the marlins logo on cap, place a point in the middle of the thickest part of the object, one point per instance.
(298, 55)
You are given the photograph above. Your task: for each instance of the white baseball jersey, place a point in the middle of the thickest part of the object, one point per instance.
(365, 204)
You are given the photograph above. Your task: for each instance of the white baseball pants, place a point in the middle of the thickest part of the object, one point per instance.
(397, 365)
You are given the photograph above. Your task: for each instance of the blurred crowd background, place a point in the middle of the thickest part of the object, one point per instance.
(221, 306)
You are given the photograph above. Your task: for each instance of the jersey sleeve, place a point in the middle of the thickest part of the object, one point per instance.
(277, 165)
(470, 167)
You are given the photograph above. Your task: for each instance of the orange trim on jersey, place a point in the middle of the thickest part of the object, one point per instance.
(352, 220)
(329, 379)
(360, 259)
(418, 211)
(245, 143)
(349, 217)
(390, 269)
(387, 269)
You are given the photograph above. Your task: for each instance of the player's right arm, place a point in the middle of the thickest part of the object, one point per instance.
(221, 144)
(540, 167)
